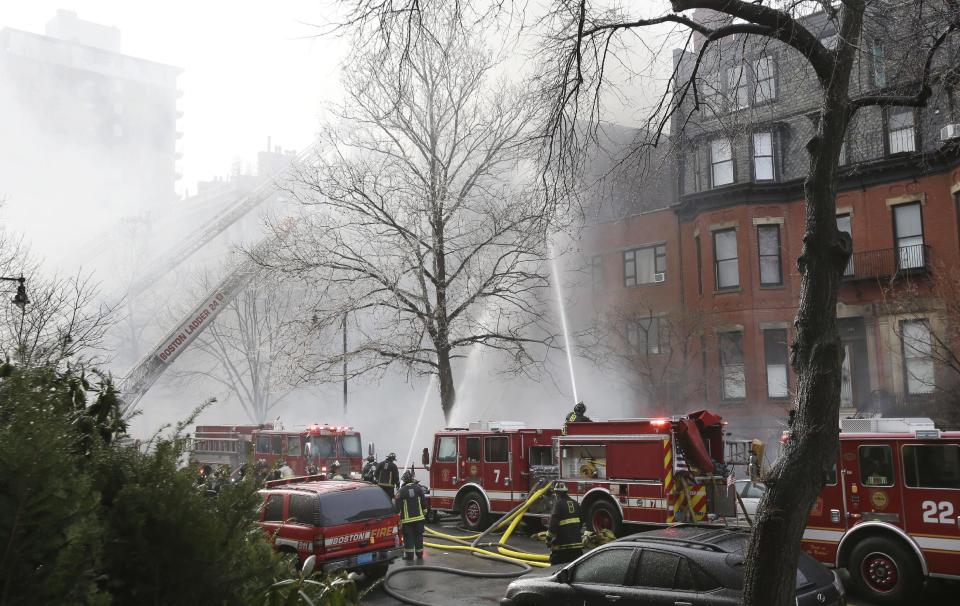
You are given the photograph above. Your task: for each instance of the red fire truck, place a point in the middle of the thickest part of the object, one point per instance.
(889, 512)
(644, 471)
(320, 445)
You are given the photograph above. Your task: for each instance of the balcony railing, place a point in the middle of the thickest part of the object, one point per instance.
(888, 262)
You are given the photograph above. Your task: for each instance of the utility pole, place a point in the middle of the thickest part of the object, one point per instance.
(344, 365)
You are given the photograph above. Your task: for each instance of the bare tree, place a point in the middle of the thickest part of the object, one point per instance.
(418, 225)
(927, 344)
(660, 349)
(248, 349)
(588, 39)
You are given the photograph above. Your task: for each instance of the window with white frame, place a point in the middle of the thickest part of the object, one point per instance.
(737, 87)
(844, 224)
(645, 335)
(596, 273)
(901, 134)
(725, 262)
(764, 70)
(763, 156)
(721, 162)
(775, 356)
(712, 90)
(908, 235)
(878, 62)
(645, 265)
(733, 380)
(768, 246)
(917, 345)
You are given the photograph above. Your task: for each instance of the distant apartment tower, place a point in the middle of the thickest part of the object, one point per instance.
(80, 117)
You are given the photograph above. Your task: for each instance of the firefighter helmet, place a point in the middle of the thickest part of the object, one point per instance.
(372, 458)
(580, 408)
(392, 456)
(335, 465)
(560, 487)
(407, 477)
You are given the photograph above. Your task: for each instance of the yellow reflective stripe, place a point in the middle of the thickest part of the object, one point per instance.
(569, 521)
(569, 546)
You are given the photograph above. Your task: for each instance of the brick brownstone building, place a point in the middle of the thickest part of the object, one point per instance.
(723, 246)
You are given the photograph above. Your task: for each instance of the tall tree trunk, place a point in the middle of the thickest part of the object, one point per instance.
(448, 391)
(816, 355)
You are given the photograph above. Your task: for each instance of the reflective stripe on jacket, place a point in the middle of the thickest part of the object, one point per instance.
(410, 504)
(565, 524)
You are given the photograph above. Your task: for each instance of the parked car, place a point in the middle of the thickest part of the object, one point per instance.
(750, 493)
(683, 564)
(348, 525)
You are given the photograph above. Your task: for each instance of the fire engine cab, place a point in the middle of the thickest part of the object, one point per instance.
(640, 471)
(890, 511)
(319, 445)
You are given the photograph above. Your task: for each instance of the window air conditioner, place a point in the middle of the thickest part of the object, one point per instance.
(950, 131)
(660, 277)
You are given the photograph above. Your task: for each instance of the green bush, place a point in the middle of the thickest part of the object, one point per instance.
(87, 519)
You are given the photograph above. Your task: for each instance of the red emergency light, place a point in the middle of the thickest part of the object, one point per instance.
(659, 422)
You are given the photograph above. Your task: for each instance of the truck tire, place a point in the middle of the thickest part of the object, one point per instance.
(884, 571)
(473, 511)
(603, 515)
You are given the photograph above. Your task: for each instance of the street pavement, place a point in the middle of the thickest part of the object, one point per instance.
(441, 588)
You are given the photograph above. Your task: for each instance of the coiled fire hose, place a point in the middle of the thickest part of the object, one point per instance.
(473, 544)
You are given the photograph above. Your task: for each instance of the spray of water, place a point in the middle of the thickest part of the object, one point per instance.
(563, 320)
(416, 428)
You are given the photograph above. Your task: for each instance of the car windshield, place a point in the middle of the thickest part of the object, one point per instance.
(354, 505)
(351, 446)
(320, 447)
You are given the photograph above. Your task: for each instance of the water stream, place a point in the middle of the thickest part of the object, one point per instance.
(562, 310)
(416, 428)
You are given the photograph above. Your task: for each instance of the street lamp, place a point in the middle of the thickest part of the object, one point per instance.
(20, 299)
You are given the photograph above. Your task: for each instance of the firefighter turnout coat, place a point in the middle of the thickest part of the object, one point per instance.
(565, 530)
(388, 476)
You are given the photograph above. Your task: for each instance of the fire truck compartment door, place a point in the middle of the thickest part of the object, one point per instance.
(693, 446)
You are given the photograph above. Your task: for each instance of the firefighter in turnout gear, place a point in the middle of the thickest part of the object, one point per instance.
(411, 504)
(334, 472)
(564, 534)
(369, 473)
(577, 416)
(388, 476)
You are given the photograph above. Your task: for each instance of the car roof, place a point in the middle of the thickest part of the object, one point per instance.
(708, 538)
(319, 487)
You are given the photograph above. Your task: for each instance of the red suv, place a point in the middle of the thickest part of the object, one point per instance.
(348, 525)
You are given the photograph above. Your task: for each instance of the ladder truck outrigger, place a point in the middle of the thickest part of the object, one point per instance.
(649, 471)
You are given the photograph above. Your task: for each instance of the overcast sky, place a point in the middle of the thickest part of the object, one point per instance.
(252, 69)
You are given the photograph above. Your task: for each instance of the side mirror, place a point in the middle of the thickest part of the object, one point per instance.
(308, 565)
(564, 576)
(425, 457)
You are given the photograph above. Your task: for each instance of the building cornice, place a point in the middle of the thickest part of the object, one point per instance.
(857, 176)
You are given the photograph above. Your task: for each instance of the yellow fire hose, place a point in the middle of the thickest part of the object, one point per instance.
(513, 519)
(525, 560)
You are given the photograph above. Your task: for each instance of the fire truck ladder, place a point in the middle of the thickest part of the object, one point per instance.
(205, 233)
(145, 373)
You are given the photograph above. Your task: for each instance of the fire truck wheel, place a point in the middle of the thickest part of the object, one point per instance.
(883, 570)
(603, 515)
(473, 511)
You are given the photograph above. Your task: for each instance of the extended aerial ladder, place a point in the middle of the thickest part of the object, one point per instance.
(205, 233)
(145, 372)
